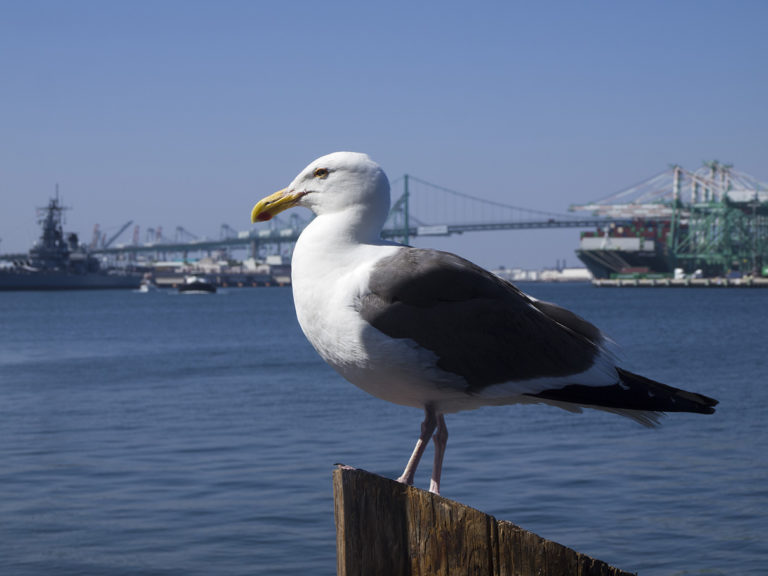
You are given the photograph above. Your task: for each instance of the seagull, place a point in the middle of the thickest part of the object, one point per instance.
(429, 329)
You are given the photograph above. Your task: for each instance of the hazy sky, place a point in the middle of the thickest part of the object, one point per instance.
(186, 112)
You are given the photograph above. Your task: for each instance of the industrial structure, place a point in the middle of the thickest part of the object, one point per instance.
(712, 222)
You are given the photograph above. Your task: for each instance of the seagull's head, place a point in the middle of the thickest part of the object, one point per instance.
(342, 182)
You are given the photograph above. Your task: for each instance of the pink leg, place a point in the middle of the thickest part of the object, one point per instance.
(440, 441)
(427, 427)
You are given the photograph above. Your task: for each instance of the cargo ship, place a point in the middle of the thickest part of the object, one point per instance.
(56, 262)
(628, 248)
(712, 222)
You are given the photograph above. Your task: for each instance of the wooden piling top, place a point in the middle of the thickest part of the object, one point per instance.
(386, 528)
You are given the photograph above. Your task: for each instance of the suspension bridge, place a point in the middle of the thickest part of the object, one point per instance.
(420, 209)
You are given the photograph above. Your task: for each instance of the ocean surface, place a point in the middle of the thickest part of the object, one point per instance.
(196, 435)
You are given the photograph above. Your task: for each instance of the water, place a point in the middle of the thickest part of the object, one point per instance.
(183, 435)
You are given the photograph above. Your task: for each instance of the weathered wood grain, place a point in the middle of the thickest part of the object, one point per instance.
(384, 528)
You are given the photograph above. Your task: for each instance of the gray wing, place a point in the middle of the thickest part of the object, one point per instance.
(479, 326)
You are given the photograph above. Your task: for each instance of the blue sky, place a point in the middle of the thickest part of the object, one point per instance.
(184, 112)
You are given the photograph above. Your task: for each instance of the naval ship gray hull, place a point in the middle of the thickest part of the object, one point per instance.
(55, 280)
(57, 262)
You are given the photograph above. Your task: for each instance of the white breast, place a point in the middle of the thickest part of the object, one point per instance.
(329, 278)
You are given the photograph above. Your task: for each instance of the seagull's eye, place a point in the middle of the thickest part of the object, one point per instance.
(321, 173)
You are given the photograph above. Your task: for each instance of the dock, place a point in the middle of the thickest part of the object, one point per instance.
(748, 282)
(385, 528)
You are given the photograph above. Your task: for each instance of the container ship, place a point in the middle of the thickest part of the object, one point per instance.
(628, 248)
(57, 262)
(712, 222)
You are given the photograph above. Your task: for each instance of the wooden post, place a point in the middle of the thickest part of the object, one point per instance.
(389, 529)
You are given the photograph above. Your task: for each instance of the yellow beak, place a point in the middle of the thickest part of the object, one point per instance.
(268, 207)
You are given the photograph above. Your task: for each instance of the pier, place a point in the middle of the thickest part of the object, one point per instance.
(385, 528)
(749, 282)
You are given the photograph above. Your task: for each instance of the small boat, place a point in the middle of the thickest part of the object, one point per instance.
(147, 284)
(197, 285)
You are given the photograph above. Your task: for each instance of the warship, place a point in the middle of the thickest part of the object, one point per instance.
(59, 262)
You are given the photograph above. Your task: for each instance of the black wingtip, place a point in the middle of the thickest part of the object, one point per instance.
(666, 398)
(632, 392)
